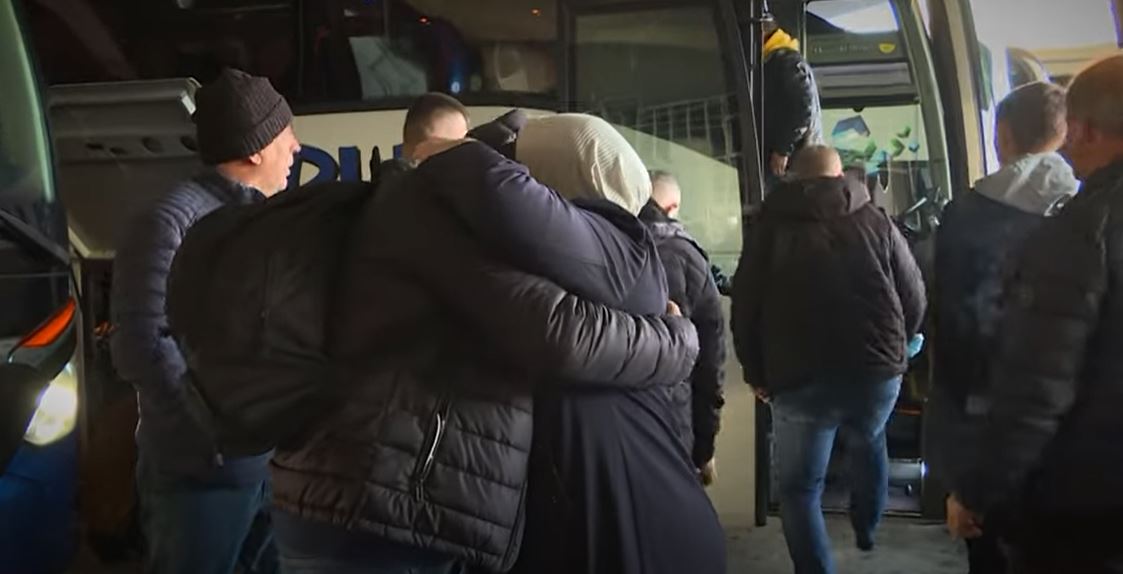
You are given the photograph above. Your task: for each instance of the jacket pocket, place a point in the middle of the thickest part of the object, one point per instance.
(438, 427)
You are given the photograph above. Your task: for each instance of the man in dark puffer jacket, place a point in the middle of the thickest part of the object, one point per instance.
(980, 234)
(692, 286)
(825, 298)
(793, 115)
(1052, 449)
(425, 465)
(196, 509)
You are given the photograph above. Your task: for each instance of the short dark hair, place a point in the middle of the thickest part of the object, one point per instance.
(1035, 114)
(769, 26)
(658, 175)
(424, 110)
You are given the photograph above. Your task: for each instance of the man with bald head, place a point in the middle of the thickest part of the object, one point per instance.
(817, 161)
(825, 299)
(1051, 457)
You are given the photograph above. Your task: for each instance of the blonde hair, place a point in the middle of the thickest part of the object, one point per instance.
(1095, 94)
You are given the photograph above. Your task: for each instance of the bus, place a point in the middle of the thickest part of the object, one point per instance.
(39, 329)
(908, 88)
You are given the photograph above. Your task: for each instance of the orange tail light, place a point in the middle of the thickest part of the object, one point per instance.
(52, 328)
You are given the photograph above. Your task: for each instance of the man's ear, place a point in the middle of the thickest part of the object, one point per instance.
(256, 159)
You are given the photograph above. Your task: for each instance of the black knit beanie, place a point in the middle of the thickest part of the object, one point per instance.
(237, 115)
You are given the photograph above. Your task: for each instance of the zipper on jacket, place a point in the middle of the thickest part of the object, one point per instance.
(440, 425)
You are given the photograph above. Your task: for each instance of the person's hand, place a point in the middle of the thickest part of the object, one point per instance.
(762, 395)
(435, 146)
(916, 345)
(708, 472)
(962, 523)
(673, 309)
(778, 164)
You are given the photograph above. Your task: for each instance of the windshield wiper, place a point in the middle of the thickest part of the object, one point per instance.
(35, 237)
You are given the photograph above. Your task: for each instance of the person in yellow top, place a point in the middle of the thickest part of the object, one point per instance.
(792, 114)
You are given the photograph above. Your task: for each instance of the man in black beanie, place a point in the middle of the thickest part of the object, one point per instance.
(200, 513)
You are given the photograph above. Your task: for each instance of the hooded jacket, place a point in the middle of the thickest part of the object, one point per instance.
(1051, 446)
(826, 287)
(979, 235)
(611, 489)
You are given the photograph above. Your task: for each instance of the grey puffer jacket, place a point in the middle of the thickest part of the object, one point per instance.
(442, 347)
(144, 351)
(979, 237)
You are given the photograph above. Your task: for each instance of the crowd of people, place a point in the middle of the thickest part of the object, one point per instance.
(530, 347)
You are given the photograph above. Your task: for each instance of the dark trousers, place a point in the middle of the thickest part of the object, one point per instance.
(985, 555)
(1067, 543)
(202, 529)
(309, 547)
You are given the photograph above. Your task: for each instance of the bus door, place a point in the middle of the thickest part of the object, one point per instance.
(673, 78)
(982, 53)
(882, 111)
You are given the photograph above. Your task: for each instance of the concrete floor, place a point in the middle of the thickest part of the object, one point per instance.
(903, 547)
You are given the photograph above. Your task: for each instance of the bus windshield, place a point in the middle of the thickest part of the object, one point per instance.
(26, 190)
(32, 225)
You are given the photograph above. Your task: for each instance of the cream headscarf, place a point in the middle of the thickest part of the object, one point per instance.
(583, 156)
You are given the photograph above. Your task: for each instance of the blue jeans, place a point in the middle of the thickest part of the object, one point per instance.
(192, 528)
(806, 420)
(308, 547)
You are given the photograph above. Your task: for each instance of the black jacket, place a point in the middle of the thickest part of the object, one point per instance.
(612, 489)
(691, 285)
(441, 346)
(1052, 444)
(144, 351)
(793, 114)
(975, 244)
(826, 286)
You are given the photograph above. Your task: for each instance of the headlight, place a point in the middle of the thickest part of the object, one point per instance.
(57, 411)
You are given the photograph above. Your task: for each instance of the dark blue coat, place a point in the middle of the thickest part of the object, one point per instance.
(691, 285)
(1051, 447)
(144, 352)
(612, 488)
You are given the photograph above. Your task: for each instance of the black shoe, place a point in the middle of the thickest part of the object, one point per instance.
(865, 545)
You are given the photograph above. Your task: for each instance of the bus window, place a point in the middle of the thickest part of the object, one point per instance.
(32, 227)
(1034, 48)
(367, 50)
(880, 106)
(659, 75)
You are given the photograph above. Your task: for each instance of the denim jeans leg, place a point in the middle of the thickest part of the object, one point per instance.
(194, 529)
(804, 440)
(869, 456)
(259, 549)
